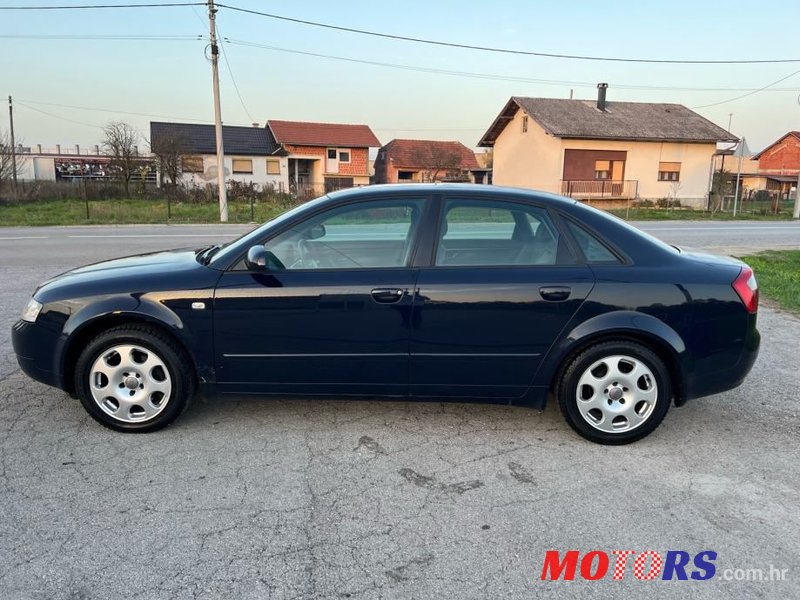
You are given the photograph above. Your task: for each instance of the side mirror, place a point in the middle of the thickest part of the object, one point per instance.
(256, 258)
(316, 232)
(260, 259)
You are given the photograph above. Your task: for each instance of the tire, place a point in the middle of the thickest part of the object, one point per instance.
(134, 378)
(615, 392)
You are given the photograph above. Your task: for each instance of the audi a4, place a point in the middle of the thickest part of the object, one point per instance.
(445, 292)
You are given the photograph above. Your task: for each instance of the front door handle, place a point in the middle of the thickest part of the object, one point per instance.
(387, 295)
(557, 293)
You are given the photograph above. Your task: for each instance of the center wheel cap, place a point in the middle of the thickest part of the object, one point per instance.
(615, 393)
(131, 383)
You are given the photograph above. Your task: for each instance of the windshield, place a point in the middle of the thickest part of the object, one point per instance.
(240, 245)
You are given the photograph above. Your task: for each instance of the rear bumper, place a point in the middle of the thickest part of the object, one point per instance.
(706, 384)
(35, 347)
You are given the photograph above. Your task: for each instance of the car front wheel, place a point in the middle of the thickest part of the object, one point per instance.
(134, 378)
(615, 392)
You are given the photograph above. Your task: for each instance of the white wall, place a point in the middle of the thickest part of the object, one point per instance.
(259, 175)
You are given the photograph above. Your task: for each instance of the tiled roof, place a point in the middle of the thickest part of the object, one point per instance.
(201, 139)
(641, 121)
(417, 153)
(300, 133)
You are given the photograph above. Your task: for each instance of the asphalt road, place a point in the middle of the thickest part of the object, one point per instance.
(362, 500)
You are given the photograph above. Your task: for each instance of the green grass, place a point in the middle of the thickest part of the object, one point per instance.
(142, 211)
(134, 211)
(663, 214)
(778, 276)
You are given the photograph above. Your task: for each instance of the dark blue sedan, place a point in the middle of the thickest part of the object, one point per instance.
(444, 292)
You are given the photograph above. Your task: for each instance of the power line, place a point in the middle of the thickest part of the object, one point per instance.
(114, 111)
(60, 36)
(749, 93)
(233, 79)
(49, 114)
(101, 6)
(490, 76)
(503, 50)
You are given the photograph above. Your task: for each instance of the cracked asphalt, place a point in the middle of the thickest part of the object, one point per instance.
(364, 500)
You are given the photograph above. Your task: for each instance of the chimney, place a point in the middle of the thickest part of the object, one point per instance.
(77, 148)
(256, 125)
(38, 148)
(58, 148)
(97, 149)
(601, 96)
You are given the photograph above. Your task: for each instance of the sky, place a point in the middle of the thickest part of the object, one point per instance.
(171, 79)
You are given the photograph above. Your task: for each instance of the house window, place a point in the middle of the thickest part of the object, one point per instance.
(192, 164)
(273, 167)
(525, 124)
(344, 156)
(602, 169)
(331, 153)
(242, 165)
(669, 171)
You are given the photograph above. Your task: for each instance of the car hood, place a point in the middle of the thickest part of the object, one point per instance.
(134, 270)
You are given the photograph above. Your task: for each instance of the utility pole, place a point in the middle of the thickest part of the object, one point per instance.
(796, 213)
(223, 193)
(13, 143)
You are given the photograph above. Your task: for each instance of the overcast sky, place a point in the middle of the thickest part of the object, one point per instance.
(170, 79)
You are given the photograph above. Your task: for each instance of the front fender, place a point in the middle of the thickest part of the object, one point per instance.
(192, 328)
(623, 323)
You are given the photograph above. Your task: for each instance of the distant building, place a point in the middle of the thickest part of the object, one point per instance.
(297, 156)
(604, 152)
(405, 161)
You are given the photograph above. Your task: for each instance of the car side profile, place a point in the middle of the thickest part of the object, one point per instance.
(445, 291)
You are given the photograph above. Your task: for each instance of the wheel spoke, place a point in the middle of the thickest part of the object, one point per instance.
(619, 384)
(130, 383)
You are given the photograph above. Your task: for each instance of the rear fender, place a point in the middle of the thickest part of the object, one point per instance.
(628, 324)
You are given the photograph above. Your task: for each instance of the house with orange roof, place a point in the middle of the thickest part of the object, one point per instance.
(406, 161)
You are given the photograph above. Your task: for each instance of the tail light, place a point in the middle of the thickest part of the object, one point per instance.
(746, 287)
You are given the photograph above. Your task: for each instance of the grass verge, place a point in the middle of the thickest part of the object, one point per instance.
(663, 214)
(778, 276)
(134, 211)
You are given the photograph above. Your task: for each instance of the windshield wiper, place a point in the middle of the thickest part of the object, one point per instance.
(204, 254)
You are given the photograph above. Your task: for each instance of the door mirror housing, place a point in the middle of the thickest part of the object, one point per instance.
(260, 259)
(316, 232)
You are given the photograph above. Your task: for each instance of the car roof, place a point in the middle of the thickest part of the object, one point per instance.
(460, 188)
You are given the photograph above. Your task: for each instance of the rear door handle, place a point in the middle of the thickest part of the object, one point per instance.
(556, 293)
(387, 295)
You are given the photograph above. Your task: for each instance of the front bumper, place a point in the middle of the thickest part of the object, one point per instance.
(35, 348)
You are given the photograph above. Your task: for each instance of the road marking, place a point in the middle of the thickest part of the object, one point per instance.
(742, 228)
(26, 237)
(159, 235)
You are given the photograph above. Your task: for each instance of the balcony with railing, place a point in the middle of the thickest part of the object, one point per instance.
(596, 189)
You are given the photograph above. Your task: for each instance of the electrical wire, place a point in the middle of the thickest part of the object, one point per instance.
(233, 79)
(102, 6)
(503, 50)
(490, 76)
(49, 114)
(747, 94)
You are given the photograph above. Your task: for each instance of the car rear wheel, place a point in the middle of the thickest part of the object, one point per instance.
(134, 378)
(615, 392)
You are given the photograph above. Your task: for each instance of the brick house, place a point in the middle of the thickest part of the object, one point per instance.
(324, 156)
(403, 161)
(779, 164)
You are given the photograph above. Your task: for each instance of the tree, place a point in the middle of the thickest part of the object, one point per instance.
(8, 159)
(120, 144)
(169, 151)
(437, 159)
